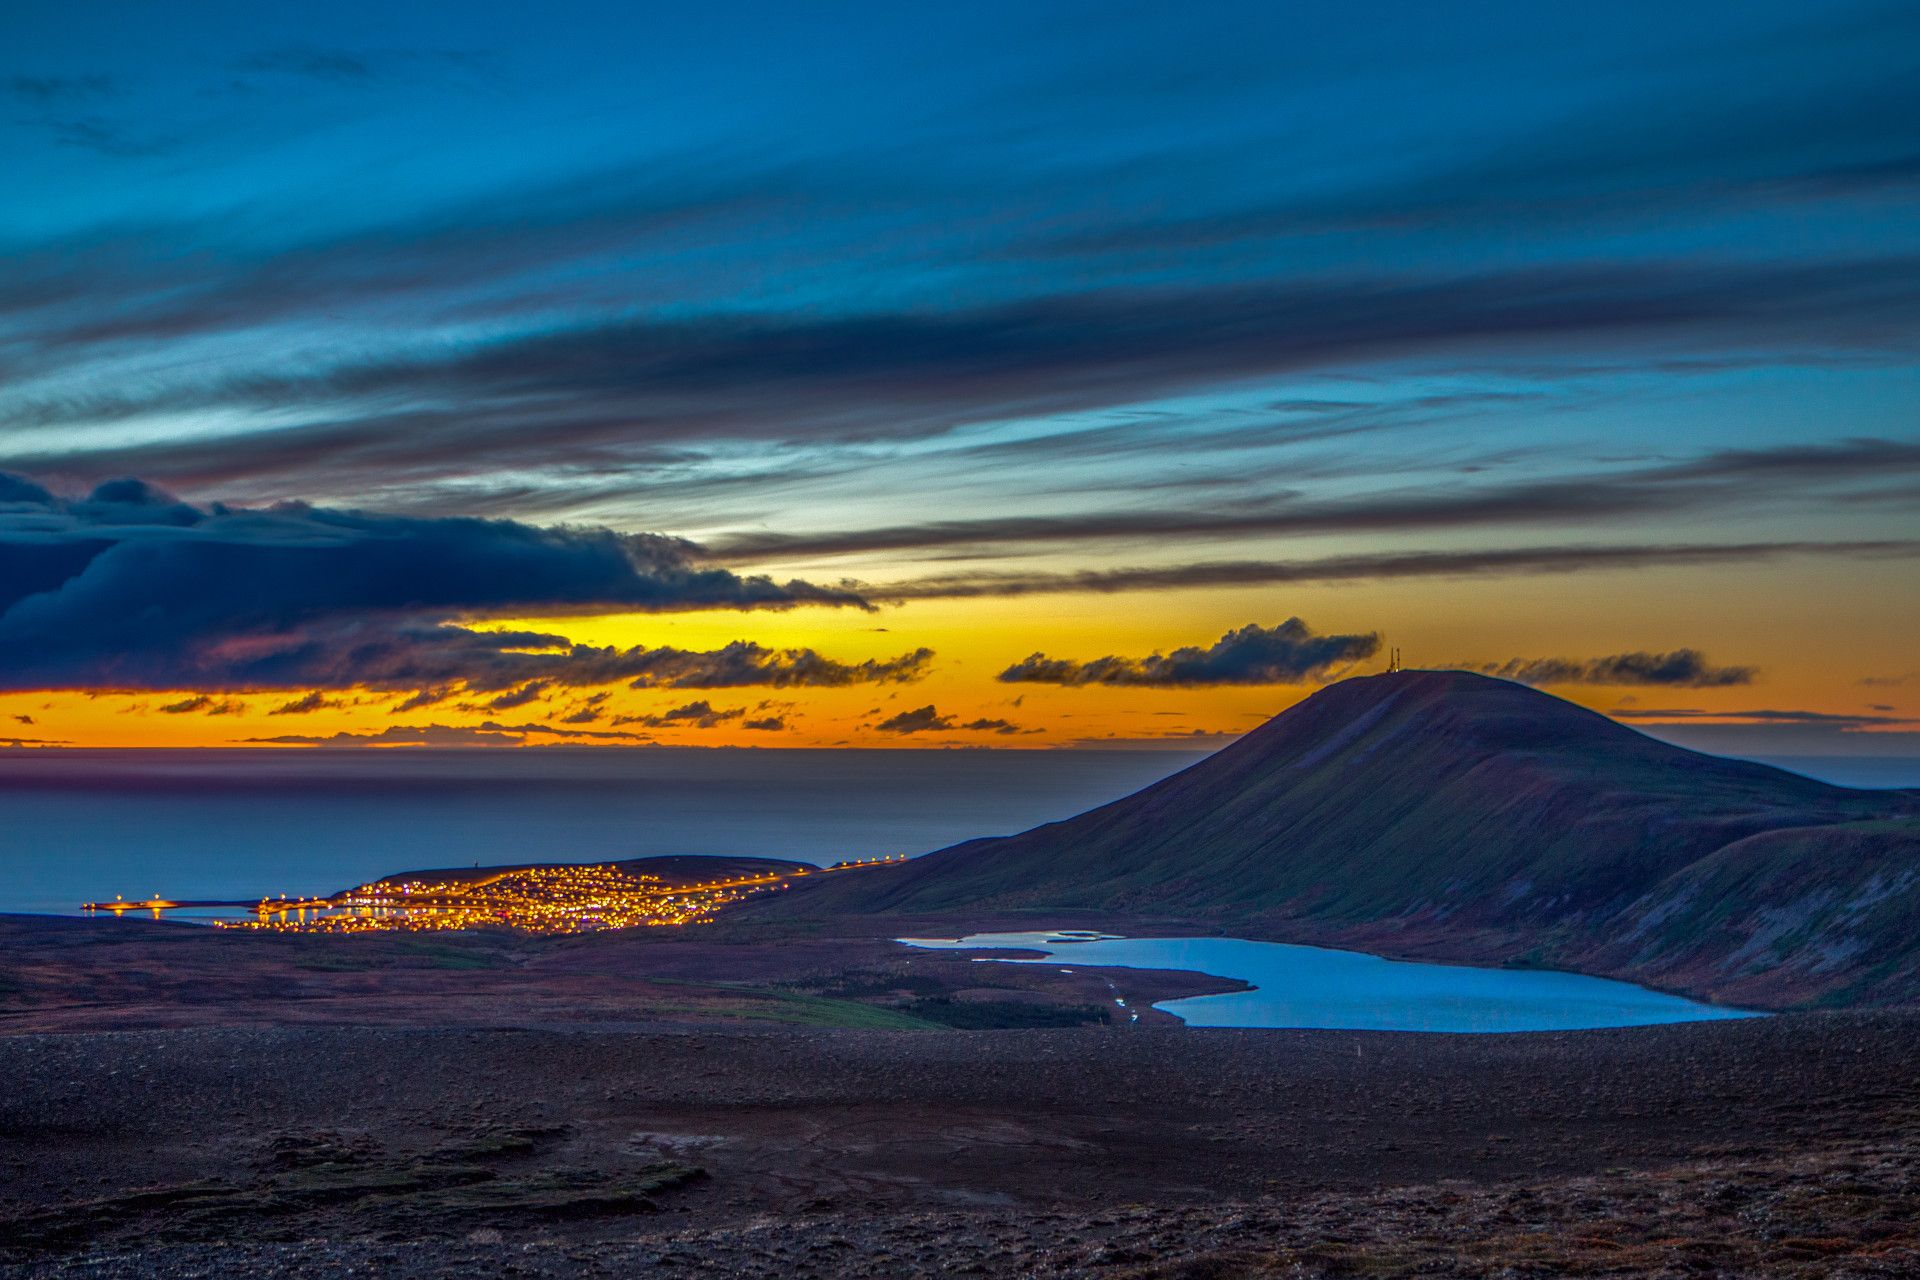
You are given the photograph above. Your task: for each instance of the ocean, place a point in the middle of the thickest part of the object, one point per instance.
(78, 825)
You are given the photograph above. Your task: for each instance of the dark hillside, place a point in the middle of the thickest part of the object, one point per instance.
(1446, 813)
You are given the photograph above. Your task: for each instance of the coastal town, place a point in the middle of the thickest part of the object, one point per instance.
(548, 899)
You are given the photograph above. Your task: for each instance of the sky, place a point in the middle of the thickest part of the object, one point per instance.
(992, 375)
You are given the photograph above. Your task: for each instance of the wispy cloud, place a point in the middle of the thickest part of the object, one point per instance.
(313, 62)
(55, 90)
(203, 704)
(532, 691)
(1724, 478)
(987, 724)
(608, 389)
(488, 733)
(692, 715)
(1492, 562)
(307, 703)
(1838, 720)
(1679, 668)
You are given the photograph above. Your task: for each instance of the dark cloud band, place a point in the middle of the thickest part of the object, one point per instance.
(919, 720)
(1763, 715)
(1680, 668)
(1491, 562)
(608, 392)
(1252, 655)
(129, 588)
(693, 715)
(1725, 477)
(488, 733)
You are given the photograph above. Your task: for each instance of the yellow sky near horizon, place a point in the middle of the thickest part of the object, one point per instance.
(1814, 632)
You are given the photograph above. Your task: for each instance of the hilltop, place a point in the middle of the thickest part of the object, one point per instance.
(1451, 815)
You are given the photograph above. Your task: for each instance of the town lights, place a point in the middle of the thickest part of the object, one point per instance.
(550, 899)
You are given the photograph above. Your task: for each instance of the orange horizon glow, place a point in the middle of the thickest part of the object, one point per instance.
(1734, 618)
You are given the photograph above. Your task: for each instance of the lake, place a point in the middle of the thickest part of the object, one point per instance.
(1297, 986)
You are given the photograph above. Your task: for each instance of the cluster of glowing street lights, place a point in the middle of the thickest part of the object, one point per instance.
(557, 899)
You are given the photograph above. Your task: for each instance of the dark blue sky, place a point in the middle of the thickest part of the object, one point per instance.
(982, 299)
(228, 220)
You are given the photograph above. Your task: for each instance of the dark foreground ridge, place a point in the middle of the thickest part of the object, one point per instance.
(1780, 1147)
(811, 1100)
(1449, 815)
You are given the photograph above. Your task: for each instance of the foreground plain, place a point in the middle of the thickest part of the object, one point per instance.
(336, 1105)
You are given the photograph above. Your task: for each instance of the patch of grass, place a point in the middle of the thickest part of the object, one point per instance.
(854, 984)
(994, 1015)
(923, 1013)
(767, 1004)
(337, 964)
(820, 1011)
(444, 955)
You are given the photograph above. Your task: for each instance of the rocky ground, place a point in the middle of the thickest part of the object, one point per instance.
(243, 1120)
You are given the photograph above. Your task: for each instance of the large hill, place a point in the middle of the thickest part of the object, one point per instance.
(1445, 814)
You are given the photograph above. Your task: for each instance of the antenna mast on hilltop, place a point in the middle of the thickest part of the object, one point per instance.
(1393, 660)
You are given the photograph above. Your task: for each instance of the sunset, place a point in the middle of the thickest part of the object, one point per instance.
(566, 522)
(983, 334)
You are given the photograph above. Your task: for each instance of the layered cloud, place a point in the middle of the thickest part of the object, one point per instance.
(1252, 655)
(315, 701)
(928, 719)
(1680, 668)
(1383, 566)
(1725, 479)
(488, 733)
(919, 720)
(129, 588)
(764, 332)
(988, 335)
(692, 715)
(203, 704)
(1844, 721)
(628, 391)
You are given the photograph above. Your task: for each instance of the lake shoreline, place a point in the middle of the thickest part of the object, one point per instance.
(1292, 986)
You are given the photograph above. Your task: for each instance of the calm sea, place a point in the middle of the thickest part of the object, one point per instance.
(81, 825)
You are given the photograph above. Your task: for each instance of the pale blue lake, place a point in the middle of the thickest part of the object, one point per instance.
(1295, 986)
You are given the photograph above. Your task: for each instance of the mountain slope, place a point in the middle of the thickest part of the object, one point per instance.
(1449, 814)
